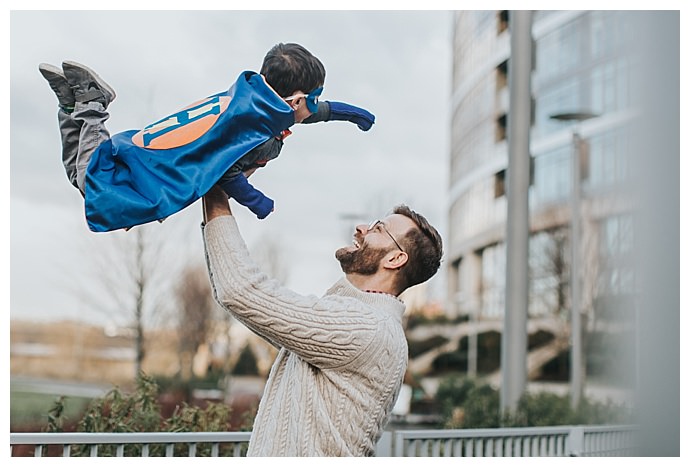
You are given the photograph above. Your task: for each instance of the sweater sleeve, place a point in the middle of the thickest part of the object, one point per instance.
(327, 332)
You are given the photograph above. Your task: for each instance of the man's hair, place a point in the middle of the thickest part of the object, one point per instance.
(290, 67)
(424, 248)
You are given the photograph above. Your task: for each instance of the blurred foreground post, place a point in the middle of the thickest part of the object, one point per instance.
(656, 175)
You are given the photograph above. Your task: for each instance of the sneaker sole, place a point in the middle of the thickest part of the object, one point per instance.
(50, 73)
(94, 75)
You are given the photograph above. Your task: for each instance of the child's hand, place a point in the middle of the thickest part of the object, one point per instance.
(341, 111)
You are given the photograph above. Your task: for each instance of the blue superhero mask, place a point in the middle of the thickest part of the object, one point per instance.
(311, 99)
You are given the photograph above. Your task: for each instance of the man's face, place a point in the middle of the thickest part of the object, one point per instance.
(371, 244)
(364, 260)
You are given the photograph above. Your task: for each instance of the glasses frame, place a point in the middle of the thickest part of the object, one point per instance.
(311, 99)
(383, 226)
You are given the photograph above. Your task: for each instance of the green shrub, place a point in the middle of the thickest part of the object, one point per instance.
(246, 363)
(139, 412)
(543, 409)
(417, 348)
(418, 319)
(117, 412)
(467, 403)
(464, 403)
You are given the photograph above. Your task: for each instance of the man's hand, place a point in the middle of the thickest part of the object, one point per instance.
(215, 204)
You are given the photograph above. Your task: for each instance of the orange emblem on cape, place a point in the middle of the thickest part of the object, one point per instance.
(183, 127)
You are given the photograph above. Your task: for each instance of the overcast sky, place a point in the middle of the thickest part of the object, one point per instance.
(396, 64)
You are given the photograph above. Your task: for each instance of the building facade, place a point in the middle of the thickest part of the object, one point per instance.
(581, 63)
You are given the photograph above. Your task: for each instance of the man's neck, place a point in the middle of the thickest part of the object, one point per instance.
(372, 283)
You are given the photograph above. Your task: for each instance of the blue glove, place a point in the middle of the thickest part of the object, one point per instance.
(239, 188)
(341, 111)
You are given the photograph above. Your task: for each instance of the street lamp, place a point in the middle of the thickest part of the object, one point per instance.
(576, 357)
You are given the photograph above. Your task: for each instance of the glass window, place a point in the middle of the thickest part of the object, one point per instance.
(563, 97)
(558, 52)
(493, 281)
(603, 34)
(622, 83)
(616, 248)
(552, 180)
(608, 160)
(549, 268)
(610, 33)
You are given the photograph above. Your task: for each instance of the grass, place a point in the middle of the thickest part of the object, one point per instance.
(29, 410)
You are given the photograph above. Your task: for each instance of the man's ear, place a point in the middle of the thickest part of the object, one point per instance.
(396, 260)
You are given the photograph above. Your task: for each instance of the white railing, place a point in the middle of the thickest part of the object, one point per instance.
(517, 442)
(188, 444)
(490, 442)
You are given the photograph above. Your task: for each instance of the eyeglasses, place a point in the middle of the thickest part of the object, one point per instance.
(312, 99)
(376, 223)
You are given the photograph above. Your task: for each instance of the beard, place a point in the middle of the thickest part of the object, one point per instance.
(364, 261)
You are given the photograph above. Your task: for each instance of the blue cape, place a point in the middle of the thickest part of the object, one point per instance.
(142, 176)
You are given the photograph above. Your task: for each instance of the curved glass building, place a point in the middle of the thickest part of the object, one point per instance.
(581, 113)
(581, 65)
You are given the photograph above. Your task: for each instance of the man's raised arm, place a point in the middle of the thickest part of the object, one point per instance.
(215, 203)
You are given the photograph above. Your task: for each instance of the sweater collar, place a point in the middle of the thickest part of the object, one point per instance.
(383, 301)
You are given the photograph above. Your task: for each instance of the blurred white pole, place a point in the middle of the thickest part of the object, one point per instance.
(514, 337)
(575, 318)
(577, 373)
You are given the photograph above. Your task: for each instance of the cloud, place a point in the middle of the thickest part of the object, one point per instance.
(396, 64)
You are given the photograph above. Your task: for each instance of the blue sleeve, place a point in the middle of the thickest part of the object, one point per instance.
(330, 110)
(323, 113)
(239, 188)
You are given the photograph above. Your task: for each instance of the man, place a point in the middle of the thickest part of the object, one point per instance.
(343, 356)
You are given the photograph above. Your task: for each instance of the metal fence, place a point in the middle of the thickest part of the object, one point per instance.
(499, 442)
(200, 444)
(571, 441)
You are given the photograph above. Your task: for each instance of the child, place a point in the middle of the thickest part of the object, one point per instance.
(137, 177)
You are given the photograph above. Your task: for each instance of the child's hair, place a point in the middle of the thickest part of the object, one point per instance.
(290, 67)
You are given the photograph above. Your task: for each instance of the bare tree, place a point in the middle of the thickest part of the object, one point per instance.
(604, 278)
(195, 305)
(140, 278)
(549, 272)
(128, 281)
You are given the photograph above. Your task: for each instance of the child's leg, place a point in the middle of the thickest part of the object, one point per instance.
(69, 132)
(91, 116)
(92, 96)
(69, 129)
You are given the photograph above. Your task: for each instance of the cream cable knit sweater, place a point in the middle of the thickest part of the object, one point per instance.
(341, 362)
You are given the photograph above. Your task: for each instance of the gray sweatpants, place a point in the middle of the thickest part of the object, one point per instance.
(81, 132)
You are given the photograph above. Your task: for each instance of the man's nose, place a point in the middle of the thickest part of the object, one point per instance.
(362, 229)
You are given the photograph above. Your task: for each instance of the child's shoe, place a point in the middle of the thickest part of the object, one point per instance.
(86, 85)
(58, 83)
